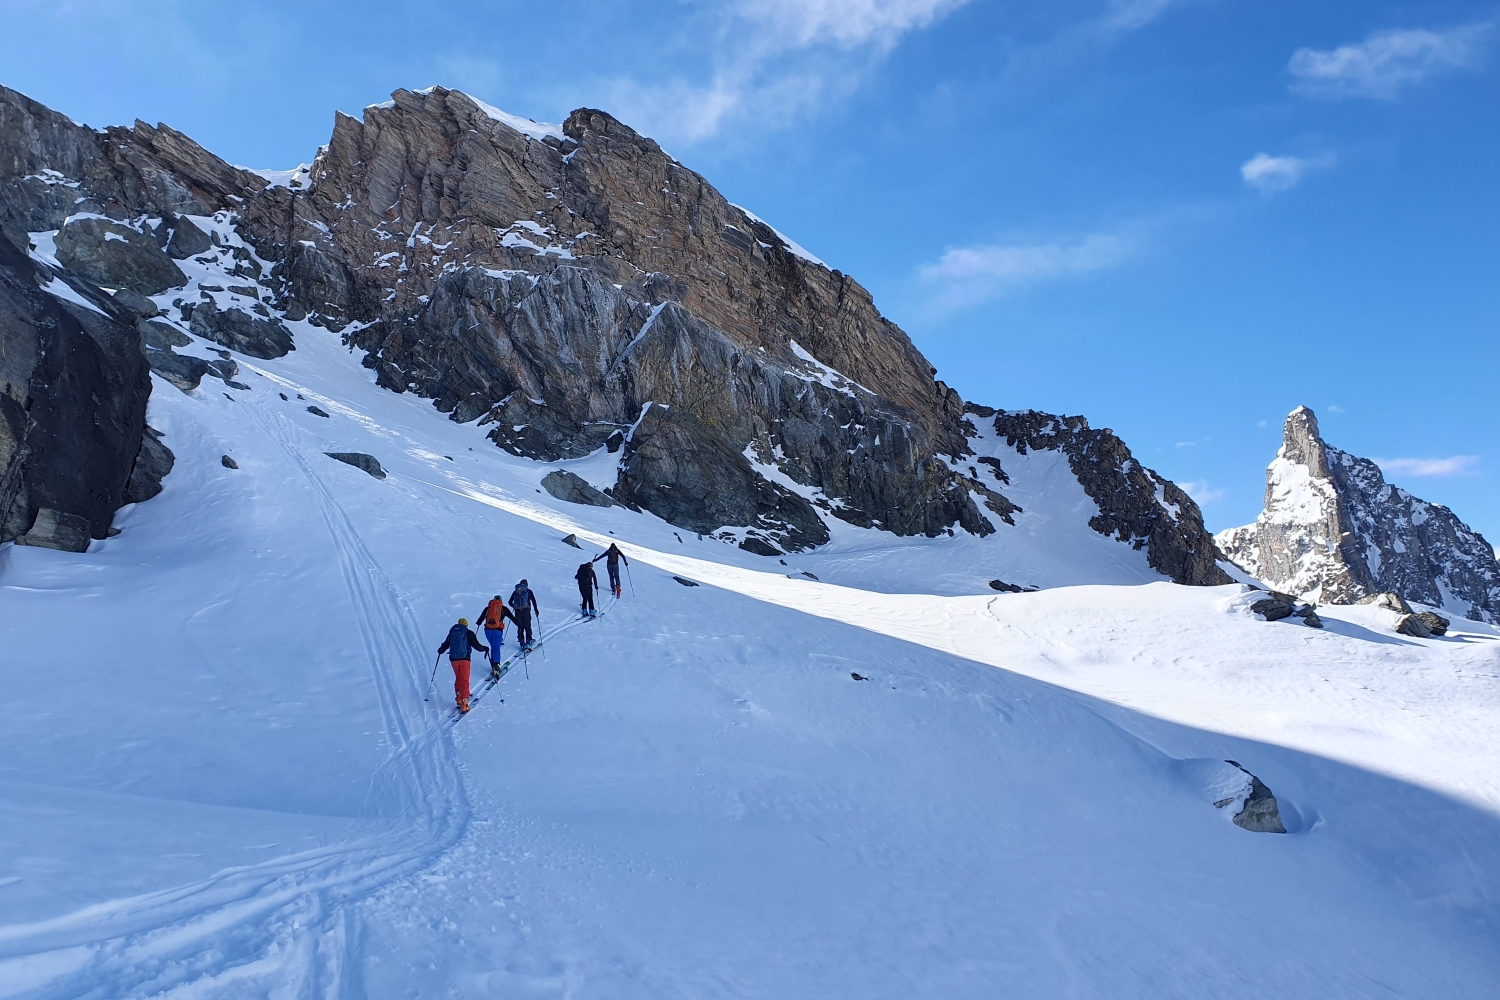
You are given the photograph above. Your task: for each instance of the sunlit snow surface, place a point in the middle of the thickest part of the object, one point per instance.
(219, 777)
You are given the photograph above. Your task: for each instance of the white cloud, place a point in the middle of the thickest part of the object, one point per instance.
(1128, 15)
(1384, 63)
(967, 276)
(1336, 408)
(1201, 492)
(1454, 465)
(766, 62)
(793, 24)
(1269, 174)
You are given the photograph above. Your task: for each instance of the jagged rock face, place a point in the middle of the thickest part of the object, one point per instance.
(74, 445)
(1136, 506)
(1334, 530)
(555, 281)
(52, 168)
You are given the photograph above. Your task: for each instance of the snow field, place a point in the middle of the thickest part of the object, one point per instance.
(220, 778)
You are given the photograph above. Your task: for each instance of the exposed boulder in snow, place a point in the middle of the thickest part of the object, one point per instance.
(1436, 624)
(1136, 506)
(240, 331)
(187, 239)
(1274, 607)
(1413, 626)
(1334, 531)
(73, 390)
(116, 255)
(182, 370)
(1257, 811)
(162, 336)
(574, 489)
(1388, 600)
(358, 459)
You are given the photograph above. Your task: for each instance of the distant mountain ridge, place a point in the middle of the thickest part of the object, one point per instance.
(1334, 530)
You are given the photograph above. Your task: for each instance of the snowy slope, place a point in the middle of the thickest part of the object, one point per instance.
(220, 778)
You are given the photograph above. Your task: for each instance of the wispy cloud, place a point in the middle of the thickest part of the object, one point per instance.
(1336, 408)
(766, 62)
(1201, 492)
(1383, 64)
(968, 276)
(1454, 465)
(1269, 174)
(1129, 15)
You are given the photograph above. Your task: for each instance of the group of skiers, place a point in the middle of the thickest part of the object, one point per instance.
(461, 640)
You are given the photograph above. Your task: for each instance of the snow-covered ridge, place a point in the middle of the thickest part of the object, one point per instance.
(796, 248)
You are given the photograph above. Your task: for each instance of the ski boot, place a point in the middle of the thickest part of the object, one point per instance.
(463, 706)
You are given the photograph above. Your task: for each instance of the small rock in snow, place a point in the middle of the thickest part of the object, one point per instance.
(229, 463)
(315, 411)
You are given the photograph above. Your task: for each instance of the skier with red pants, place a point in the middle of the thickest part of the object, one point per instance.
(587, 581)
(612, 557)
(493, 619)
(458, 644)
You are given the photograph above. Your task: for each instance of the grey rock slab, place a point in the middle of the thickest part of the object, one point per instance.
(187, 240)
(55, 529)
(1436, 624)
(1413, 626)
(152, 464)
(136, 303)
(573, 488)
(240, 331)
(117, 256)
(685, 581)
(1259, 813)
(183, 371)
(162, 336)
(571, 540)
(361, 461)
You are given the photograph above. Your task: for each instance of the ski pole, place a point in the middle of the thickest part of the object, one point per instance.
(631, 578)
(433, 679)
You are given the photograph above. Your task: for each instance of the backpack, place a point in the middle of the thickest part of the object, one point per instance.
(458, 643)
(585, 573)
(494, 616)
(520, 600)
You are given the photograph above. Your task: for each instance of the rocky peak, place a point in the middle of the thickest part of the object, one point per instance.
(556, 281)
(1334, 530)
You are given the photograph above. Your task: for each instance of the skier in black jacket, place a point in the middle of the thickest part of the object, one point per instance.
(612, 557)
(587, 581)
(522, 604)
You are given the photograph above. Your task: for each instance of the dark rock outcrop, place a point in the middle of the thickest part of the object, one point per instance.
(240, 331)
(1258, 812)
(1333, 530)
(117, 256)
(361, 461)
(73, 390)
(1434, 623)
(1136, 506)
(574, 489)
(1413, 626)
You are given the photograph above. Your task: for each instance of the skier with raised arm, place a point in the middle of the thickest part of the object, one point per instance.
(588, 580)
(522, 605)
(612, 557)
(458, 644)
(493, 619)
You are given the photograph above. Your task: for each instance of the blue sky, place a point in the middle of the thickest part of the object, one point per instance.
(1181, 218)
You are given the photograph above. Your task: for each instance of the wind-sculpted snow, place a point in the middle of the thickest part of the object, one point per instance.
(692, 796)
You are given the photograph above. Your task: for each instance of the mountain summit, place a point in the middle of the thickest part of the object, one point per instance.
(1334, 530)
(581, 295)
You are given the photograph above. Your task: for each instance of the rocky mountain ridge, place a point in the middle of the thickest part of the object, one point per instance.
(1334, 530)
(572, 288)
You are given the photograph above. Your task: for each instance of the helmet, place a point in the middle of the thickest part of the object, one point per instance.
(463, 621)
(522, 583)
